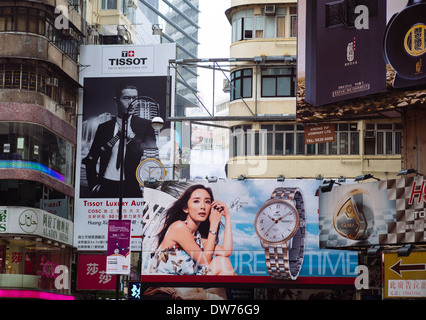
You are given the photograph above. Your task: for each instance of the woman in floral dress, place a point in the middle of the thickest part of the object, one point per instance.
(188, 242)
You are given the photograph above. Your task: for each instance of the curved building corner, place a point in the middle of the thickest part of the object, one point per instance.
(38, 98)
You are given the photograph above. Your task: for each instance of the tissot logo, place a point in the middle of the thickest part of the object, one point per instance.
(128, 58)
(125, 54)
(131, 59)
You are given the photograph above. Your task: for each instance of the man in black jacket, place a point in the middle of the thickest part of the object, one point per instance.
(104, 179)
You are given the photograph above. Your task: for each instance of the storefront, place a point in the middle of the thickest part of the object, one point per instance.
(35, 254)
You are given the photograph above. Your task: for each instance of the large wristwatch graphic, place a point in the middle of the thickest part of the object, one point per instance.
(281, 226)
(354, 216)
(150, 167)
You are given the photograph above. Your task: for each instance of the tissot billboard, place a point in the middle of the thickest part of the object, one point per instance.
(388, 212)
(349, 49)
(125, 87)
(268, 233)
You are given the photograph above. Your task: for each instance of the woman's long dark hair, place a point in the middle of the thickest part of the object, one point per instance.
(176, 213)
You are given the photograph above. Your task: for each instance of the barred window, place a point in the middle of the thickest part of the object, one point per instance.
(23, 19)
(289, 139)
(280, 22)
(383, 139)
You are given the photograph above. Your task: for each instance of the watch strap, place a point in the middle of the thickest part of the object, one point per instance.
(150, 153)
(284, 261)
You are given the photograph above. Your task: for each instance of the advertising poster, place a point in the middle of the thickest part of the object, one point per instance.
(127, 88)
(359, 51)
(343, 54)
(265, 226)
(388, 212)
(118, 252)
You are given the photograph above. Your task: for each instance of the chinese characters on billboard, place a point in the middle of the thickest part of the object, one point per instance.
(125, 88)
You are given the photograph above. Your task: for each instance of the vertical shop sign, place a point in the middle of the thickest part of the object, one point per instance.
(118, 247)
(92, 273)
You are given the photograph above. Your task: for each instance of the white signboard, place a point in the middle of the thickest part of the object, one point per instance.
(31, 221)
(117, 78)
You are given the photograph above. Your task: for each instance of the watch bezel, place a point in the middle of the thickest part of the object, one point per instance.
(139, 176)
(293, 232)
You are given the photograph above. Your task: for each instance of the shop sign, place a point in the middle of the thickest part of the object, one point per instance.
(20, 220)
(405, 277)
(92, 273)
(3, 220)
(319, 134)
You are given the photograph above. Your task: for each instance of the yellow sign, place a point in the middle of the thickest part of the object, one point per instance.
(405, 277)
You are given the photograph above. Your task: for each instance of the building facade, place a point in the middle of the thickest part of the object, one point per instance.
(38, 97)
(110, 22)
(268, 141)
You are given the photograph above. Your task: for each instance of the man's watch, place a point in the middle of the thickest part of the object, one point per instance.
(281, 226)
(150, 167)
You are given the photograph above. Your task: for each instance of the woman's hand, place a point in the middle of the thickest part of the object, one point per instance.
(221, 207)
(215, 214)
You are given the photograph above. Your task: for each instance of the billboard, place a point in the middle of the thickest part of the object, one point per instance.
(388, 212)
(126, 89)
(268, 233)
(344, 61)
(359, 50)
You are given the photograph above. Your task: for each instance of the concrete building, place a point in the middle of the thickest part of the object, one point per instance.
(110, 22)
(266, 138)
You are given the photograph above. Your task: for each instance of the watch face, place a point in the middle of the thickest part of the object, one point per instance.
(150, 169)
(276, 221)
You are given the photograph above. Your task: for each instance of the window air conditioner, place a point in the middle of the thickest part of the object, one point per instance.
(270, 9)
(226, 85)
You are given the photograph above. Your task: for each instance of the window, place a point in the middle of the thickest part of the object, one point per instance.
(293, 22)
(383, 139)
(289, 139)
(246, 25)
(109, 4)
(241, 84)
(35, 144)
(279, 82)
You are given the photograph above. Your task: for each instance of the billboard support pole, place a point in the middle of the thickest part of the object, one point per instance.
(123, 136)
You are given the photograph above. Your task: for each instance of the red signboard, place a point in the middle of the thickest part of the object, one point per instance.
(92, 273)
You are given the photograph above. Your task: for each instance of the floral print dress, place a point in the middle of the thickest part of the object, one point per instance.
(174, 260)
